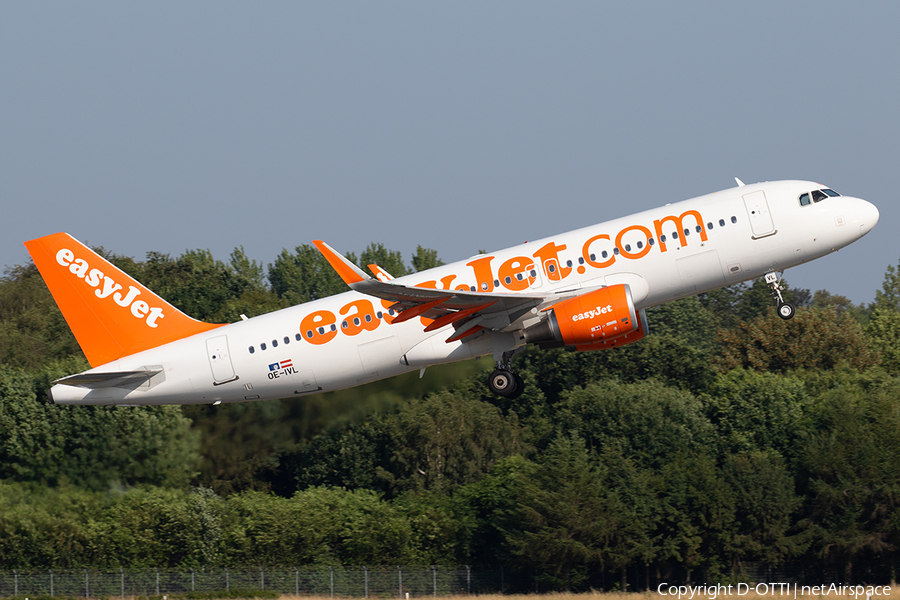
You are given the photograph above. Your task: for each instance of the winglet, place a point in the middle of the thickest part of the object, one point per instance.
(380, 273)
(347, 271)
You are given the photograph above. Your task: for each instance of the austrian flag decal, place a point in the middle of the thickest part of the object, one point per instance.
(281, 369)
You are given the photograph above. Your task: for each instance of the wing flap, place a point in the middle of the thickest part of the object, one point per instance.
(457, 307)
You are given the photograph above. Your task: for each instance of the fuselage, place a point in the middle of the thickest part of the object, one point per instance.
(675, 251)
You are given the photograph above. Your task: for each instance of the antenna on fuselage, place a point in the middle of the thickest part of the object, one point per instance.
(739, 182)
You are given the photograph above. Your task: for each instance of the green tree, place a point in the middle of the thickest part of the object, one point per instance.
(697, 516)
(579, 515)
(46, 527)
(389, 260)
(321, 526)
(441, 527)
(32, 329)
(758, 411)
(743, 302)
(838, 303)
(883, 333)
(685, 319)
(851, 479)
(201, 286)
(305, 275)
(813, 339)
(766, 506)
(445, 441)
(146, 528)
(888, 297)
(90, 446)
(424, 259)
(436, 444)
(646, 420)
(673, 360)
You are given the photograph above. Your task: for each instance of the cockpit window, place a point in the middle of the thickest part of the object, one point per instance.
(817, 196)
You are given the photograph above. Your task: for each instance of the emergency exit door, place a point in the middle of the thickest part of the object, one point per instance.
(220, 360)
(760, 217)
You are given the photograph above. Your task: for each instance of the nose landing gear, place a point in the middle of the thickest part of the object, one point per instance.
(785, 309)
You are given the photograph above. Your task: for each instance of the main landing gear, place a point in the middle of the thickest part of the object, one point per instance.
(785, 309)
(503, 381)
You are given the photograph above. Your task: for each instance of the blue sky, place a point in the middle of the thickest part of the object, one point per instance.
(168, 126)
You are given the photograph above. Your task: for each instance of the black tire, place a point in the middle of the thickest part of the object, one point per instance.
(502, 383)
(520, 387)
(786, 310)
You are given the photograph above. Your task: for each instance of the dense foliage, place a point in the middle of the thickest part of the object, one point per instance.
(726, 437)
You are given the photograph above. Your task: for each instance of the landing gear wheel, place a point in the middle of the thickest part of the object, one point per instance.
(520, 387)
(503, 383)
(785, 310)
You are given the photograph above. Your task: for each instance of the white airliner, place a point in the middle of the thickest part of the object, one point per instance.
(586, 289)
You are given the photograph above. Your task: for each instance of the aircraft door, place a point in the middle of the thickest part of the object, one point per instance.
(760, 217)
(220, 360)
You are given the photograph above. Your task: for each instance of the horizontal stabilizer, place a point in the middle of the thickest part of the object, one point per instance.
(122, 379)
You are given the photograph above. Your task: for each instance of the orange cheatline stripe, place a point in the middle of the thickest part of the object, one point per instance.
(415, 311)
(337, 263)
(454, 317)
(464, 334)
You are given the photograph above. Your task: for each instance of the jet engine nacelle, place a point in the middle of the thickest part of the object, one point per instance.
(604, 318)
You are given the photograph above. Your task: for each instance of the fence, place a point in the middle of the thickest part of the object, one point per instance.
(336, 581)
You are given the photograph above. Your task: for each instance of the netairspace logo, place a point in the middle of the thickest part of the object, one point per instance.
(711, 592)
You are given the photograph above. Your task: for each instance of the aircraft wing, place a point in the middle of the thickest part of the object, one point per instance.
(469, 312)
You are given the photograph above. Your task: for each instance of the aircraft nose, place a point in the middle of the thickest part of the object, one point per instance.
(867, 214)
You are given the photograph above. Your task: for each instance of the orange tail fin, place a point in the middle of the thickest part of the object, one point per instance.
(111, 314)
